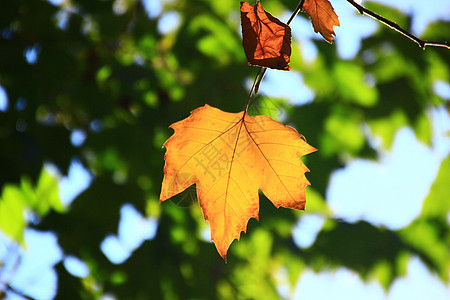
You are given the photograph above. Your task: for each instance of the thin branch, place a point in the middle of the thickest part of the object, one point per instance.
(296, 11)
(15, 291)
(422, 44)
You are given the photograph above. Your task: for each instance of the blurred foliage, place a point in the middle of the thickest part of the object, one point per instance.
(106, 70)
(15, 200)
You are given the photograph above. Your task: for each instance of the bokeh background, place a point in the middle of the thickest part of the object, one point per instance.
(89, 88)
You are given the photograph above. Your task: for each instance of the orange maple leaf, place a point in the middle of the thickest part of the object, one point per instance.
(230, 156)
(323, 17)
(266, 40)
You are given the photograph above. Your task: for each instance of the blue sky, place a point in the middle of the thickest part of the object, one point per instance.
(386, 180)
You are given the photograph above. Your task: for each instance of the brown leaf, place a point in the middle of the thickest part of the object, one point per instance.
(266, 40)
(323, 17)
(230, 156)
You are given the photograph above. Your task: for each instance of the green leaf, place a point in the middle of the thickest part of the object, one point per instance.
(16, 200)
(47, 194)
(12, 220)
(426, 238)
(342, 133)
(352, 86)
(386, 128)
(437, 204)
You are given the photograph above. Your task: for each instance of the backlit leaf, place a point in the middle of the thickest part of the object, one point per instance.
(12, 220)
(16, 200)
(323, 17)
(230, 156)
(266, 40)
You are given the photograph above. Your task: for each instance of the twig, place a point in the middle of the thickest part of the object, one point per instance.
(296, 11)
(15, 291)
(422, 44)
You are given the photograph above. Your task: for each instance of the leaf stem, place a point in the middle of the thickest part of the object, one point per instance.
(422, 44)
(253, 89)
(262, 70)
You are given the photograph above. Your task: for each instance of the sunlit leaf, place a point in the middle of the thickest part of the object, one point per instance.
(266, 40)
(437, 203)
(230, 156)
(12, 218)
(323, 17)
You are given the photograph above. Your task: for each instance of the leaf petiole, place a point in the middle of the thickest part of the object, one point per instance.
(253, 90)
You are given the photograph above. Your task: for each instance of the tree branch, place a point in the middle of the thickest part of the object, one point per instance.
(422, 44)
(15, 291)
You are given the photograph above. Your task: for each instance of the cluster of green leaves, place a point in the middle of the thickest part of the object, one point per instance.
(115, 77)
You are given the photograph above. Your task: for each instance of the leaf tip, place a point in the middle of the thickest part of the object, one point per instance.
(222, 251)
